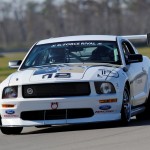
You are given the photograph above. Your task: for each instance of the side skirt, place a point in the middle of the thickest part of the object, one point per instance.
(137, 110)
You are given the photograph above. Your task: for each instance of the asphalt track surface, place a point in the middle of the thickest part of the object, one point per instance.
(103, 136)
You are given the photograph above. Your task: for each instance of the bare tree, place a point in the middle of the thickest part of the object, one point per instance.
(24, 22)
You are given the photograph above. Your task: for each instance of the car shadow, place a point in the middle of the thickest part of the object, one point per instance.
(87, 126)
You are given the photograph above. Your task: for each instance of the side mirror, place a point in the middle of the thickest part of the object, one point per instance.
(134, 58)
(14, 64)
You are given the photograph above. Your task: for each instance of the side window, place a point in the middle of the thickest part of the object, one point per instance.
(127, 49)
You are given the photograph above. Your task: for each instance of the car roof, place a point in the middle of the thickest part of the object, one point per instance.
(78, 38)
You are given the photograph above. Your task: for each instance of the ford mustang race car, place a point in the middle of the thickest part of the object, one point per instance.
(76, 79)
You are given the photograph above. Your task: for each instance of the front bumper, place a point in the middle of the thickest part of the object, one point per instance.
(82, 109)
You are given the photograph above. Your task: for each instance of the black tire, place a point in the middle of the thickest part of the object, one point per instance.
(145, 115)
(126, 107)
(11, 130)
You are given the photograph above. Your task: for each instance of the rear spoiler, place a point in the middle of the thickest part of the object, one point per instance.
(138, 37)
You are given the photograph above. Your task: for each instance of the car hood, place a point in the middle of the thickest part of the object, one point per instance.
(64, 73)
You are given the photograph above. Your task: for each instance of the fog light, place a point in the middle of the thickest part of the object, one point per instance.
(108, 101)
(8, 105)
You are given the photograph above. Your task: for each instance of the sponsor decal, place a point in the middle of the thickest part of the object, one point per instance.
(46, 70)
(9, 112)
(105, 107)
(98, 75)
(11, 116)
(139, 81)
(103, 111)
(62, 75)
(54, 105)
(109, 73)
(70, 44)
(72, 69)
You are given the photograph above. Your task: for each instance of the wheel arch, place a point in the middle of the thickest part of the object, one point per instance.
(128, 86)
(126, 104)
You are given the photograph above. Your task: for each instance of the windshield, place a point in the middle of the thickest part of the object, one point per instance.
(73, 52)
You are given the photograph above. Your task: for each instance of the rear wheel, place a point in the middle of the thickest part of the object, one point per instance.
(11, 130)
(126, 107)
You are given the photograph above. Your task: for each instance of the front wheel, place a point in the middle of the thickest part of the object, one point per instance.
(126, 107)
(11, 130)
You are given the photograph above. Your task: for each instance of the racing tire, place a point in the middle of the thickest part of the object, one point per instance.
(11, 130)
(126, 107)
(145, 115)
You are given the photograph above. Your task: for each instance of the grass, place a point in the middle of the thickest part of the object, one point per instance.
(5, 71)
(145, 51)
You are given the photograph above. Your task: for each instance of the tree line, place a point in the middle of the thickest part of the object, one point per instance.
(23, 23)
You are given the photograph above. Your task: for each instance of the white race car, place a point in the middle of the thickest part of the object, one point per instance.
(76, 79)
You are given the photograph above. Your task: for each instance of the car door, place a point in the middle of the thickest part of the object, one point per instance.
(137, 76)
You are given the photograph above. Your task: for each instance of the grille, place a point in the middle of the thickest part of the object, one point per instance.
(57, 114)
(56, 90)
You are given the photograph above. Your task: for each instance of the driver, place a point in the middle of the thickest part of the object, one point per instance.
(102, 53)
(57, 55)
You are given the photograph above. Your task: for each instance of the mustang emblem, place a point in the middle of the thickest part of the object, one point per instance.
(54, 105)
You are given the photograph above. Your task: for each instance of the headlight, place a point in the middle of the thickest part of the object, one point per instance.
(10, 92)
(104, 88)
